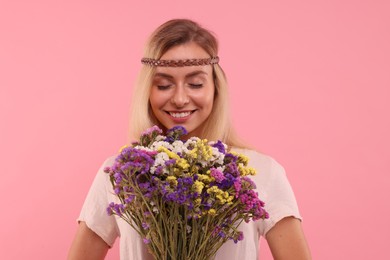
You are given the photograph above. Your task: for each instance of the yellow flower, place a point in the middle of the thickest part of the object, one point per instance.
(171, 155)
(201, 149)
(246, 170)
(204, 178)
(214, 189)
(221, 199)
(194, 170)
(241, 158)
(197, 202)
(212, 212)
(198, 186)
(182, 163)
(222, 196)
(193, 153)
(229, 200)
(205, 148)
(172, 180)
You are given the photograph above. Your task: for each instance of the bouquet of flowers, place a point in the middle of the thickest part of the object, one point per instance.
(184, 198)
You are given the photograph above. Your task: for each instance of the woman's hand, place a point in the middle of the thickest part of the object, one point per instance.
(287, 241)
(87, 245)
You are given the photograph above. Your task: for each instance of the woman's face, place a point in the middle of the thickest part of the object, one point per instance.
(183, 95)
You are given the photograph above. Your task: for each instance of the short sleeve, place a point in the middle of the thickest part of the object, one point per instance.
(94, 212)
(278, 195)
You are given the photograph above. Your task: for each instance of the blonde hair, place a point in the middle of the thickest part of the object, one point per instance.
(218, 125)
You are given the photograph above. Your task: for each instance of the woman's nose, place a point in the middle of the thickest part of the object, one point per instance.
(180, 97)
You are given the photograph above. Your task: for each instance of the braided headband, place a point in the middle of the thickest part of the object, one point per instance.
(180, 63)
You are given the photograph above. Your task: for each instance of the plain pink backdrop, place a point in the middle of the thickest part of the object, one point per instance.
(309, 86)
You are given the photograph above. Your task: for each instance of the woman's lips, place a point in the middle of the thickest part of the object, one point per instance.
(180, 116)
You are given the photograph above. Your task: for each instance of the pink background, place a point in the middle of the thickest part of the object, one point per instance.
(309, 85)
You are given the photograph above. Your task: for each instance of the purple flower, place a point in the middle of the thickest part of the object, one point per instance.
(118, 177)
(253, 205)
(170, 162)
(144, 185)
(109, 208)
(232, 169)
(148, 195)
(143, 195)
(238, 237)
(175, 133)
(145, 225)
(159, 170)
(153, 130)
(237, 187)
(129, 199)
(216, 230)
(222, 234)
(247, 183)
(220, 146)
(230, 158)
(187, 181)
(114, 208)
(227, 182)
(218, 176)
(177, 129)
(133, 160)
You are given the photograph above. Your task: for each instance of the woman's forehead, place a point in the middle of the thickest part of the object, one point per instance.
(186, 72)
(185, 51)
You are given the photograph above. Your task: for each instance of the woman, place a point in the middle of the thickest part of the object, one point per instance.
(181, 83)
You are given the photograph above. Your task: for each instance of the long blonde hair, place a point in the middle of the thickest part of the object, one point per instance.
(218, 125)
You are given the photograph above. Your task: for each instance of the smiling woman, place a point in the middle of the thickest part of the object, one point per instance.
(179, 56)
(183, 95)
(181, 83)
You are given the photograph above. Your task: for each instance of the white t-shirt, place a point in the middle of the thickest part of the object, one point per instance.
(272, 186)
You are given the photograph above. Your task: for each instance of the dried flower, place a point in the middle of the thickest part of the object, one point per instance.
(184, 198)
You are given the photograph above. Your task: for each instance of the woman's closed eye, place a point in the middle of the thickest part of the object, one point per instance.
(164, 87)
(195, 85)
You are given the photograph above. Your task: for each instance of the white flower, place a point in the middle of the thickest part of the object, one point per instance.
(140, 147)
(157, 144)
(179, 147)
(159, 138)
(189, 228)
(217, 156)
(221, 168)
(159, 160)
(191, 142)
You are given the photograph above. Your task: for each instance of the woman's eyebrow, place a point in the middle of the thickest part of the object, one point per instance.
(163, 75)
(189, 75)
(195, 73)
